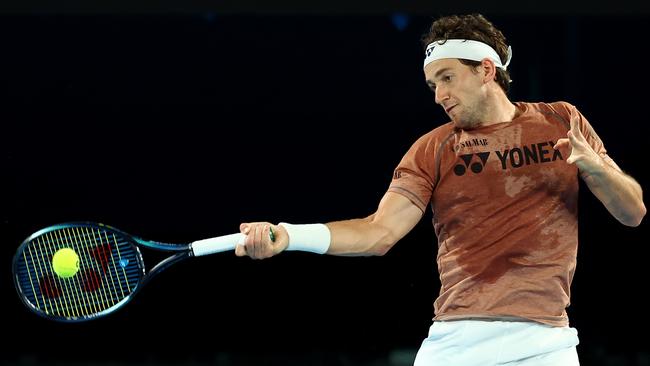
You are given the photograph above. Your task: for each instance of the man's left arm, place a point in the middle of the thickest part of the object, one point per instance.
(620, 193)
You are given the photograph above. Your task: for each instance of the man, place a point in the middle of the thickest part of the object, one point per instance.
(502, 181)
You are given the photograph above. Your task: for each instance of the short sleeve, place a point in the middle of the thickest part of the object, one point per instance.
(414, 176)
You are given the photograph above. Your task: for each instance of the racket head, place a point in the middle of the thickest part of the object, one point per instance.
(111, 270)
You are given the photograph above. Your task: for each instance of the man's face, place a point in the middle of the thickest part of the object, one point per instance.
(459, 90)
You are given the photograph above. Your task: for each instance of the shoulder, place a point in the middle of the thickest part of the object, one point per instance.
(559, 111)
(431, 143)
(436, 136)
(560, 107)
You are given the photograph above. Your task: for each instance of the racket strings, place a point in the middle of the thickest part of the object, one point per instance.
(93, 280)
(73, 284)
(97, 283)
(109, 271)
(87, 281)
(57, 290)
(106, 259)
(51, 286)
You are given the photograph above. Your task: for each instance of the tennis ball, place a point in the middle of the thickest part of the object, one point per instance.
(65, 262)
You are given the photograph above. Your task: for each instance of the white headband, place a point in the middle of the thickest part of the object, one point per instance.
(465, 49)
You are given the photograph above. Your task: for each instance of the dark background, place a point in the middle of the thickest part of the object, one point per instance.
(177, 124)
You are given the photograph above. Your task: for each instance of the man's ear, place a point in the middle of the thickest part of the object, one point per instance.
(488, 70)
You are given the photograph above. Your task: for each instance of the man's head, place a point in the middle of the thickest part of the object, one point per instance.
(466, 65)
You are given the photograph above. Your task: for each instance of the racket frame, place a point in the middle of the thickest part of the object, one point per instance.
(182, 251)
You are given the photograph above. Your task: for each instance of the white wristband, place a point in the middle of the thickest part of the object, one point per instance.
(313, 238)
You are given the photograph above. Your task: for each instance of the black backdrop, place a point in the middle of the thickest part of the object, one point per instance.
(179, 127)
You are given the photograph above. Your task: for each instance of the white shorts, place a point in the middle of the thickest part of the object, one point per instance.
(497, 342)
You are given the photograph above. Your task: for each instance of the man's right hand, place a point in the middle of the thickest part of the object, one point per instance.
(258, 243)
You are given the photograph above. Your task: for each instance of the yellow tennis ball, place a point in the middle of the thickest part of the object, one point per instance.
(65, 262)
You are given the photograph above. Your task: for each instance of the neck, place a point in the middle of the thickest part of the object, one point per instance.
(500, 109)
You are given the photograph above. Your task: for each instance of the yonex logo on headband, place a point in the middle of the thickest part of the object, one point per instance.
(465, 49)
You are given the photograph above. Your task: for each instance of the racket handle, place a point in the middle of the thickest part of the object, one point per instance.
(217, 244)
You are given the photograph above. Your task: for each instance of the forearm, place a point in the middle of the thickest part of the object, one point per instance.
(359, 237)
(619, 193)
(373, 235)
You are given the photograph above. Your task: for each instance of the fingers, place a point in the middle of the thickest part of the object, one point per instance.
(575, 129)
(257, 243)
(564, 146)
(576, 148)
(561, 143)
(240, 250)
(572, 137)
(575, 124)
(257, 247)
(577, 141)
(575, 144)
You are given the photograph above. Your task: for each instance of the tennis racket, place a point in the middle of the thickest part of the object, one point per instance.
(108, 273)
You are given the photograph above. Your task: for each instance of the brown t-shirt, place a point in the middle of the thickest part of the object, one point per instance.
(504, 210)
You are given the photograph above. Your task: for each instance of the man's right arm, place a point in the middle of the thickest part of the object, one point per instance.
(373, 235)
(377, 233)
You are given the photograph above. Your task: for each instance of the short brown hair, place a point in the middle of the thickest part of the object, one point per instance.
(473, 27)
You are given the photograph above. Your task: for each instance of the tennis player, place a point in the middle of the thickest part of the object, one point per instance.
(502, 180)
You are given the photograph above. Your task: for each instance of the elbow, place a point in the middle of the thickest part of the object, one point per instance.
(634, 219)
(639, 217)
(382, 247)
(379, 250)
(381, 238)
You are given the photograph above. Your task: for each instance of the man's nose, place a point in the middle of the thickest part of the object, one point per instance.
(441, 95)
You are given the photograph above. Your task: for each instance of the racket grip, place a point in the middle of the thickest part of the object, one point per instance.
(217, 244)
